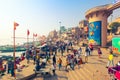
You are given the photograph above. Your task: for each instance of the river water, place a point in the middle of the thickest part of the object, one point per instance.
(17, 54)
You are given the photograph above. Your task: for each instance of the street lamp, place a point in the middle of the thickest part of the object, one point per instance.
(60, 23)
(60, 29)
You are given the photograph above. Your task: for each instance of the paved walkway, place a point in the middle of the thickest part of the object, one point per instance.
(95, 69)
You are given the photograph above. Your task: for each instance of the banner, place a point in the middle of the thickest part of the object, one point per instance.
(116, 45)
(94, 34)
(28, 32)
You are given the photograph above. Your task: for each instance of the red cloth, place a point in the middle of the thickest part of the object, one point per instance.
(22, 58)
(1, 69)
(117, 75)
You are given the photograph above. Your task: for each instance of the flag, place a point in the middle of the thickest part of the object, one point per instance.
(28, 32)
(35, 35)
(15, 25)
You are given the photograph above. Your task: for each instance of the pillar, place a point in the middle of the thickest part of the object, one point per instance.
(100, 16)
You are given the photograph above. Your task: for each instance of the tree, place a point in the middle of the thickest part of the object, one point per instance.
(114, 26)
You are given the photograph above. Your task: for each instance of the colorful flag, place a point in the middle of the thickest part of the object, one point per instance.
(28, 32)
(15, 25)
(35, 35)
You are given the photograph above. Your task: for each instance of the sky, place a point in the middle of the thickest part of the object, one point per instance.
(41, 16)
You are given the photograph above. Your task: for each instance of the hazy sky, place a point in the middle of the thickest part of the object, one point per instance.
(41, 16)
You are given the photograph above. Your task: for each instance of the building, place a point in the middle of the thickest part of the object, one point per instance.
(109, 29)
(53, 34)
(83, 23)
(62, 29)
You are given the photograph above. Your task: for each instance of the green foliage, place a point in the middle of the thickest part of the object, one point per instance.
(114, 26)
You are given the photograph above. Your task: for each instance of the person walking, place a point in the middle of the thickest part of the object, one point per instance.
(110, 59)
(86, 54)
(89, 51)
(2, 70)
(99, 52)
(37, 65)
(12, 67)
(80, 51)
(91, 48)
(9, 66)
(72, 62)
(79, 61)
(27, 56)
(59, 63)
(54, 59)
(53, 68)
(34, 54)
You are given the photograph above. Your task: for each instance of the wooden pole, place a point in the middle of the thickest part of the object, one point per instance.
(14, 50)
(27, 41)
(33, 40)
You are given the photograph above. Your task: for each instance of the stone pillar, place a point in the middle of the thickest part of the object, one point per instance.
(100, 16)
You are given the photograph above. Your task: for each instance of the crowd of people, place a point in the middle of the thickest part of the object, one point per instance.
(73, 56)
(53, 54)
(10, 65)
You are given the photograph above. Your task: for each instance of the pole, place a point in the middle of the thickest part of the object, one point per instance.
(60, 23)
(60, 30)
(14, 51)
(27, 41)
(111, 21)
(33, 39)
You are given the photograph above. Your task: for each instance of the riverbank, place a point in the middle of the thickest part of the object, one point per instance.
(17, 54)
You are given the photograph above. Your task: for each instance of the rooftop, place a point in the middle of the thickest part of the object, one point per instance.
(98, 8)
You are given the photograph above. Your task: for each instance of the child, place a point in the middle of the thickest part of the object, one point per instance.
(59, 63)
(79, 61)
(99, 52)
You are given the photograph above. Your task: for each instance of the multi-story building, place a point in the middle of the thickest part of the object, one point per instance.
(83, 23)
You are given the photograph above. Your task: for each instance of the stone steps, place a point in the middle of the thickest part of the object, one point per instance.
(71, 76)
(80, 74)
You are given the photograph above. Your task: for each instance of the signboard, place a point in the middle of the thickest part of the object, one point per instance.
(116, 45)
(94, 34)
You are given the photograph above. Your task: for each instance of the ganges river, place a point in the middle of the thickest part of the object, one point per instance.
(17, 54)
